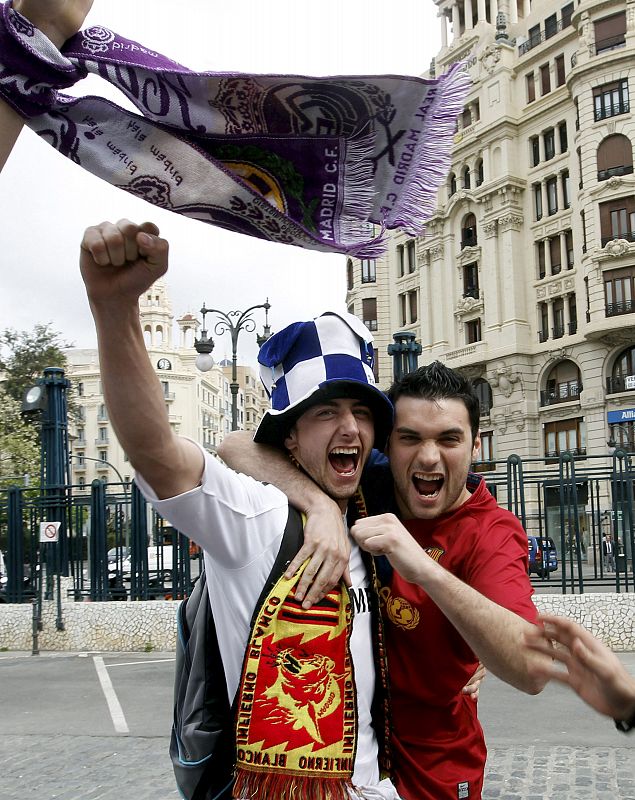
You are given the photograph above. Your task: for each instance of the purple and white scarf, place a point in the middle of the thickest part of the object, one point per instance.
(314, 162)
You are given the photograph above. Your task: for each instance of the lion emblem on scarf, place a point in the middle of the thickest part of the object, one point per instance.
(306, 690)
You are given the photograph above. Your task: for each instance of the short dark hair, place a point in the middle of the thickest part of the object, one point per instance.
(435, 381)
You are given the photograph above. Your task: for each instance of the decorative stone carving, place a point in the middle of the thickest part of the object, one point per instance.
(617, 247)
(436, 251)
(558, 353)
(472, 371)
(504, 378)
(555, 287)
(510, 222)
(568, 284)
(490, 57)
(541, 293)
(490, 228)
(614, 182)
(468, 305)
(617, 338)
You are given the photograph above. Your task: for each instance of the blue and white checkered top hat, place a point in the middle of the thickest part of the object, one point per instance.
(325, 358)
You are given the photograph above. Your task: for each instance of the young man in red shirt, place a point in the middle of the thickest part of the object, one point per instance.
(457, 588)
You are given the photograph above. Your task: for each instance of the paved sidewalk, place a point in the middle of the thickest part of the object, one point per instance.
(59, 740)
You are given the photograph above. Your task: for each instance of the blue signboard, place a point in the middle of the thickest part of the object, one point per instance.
(624, 415)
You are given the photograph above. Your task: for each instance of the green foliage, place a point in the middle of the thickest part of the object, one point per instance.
(19, 448)
(24, 355)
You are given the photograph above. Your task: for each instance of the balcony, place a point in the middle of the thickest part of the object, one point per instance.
(564, 393)
(543, 336)
(573, 328)
(102, 441)
(557, 331)
(610, 43)
(617, 309)
(555, 454)
(621, 383)
(620, 107)
(605, 174)
(629, 236)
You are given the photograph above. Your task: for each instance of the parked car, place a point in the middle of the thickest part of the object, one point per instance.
(159, 564)
(543, 556)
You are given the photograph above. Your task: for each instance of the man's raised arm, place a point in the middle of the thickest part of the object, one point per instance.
(58, 20)
(119, 262)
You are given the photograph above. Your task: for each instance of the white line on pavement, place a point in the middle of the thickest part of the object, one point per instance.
(116, 711)
(136, 663)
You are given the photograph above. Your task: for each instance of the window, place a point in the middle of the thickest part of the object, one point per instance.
(610, 32)
(466, 178)
(413, 305)
(535, 36)
(560, 76)
(567, 13)
(401, 261)
(550, 144)
(470, 280)
(619, 285)
(473, 331)
(369, 313)
(540, 259)
(563, 384)
(412, 255)
(611, 99)
(81, 482)
(579, 152)
(452, 184)
(538, 200)
(555, 254)
(349, 274)
(485, 458)
(80, 389)
(551, 26)
(80, 461)
(543, 333)
(568, 237)
(552, 196)
(102, 413)
(103, 455)
(369, 270)
(573, 315)
(565, 435)
(479, 172)
(558, 318)
(562, 135)
(623, 375)
(534, 147)
(545, 79)
(403, 318)
(531, 87)
(617, 219)
(466, 117)
(483, 391)
(468, 232)
(566, 189)
(103, 434)
(615, 157)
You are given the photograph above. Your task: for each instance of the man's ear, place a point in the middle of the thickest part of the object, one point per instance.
(476, 446)
(291, 441)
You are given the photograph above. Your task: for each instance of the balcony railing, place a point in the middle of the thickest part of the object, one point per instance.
(616, 309)
(564, 393)
(575, 451)
(628, 235)
(610, 43)
(543, 336)
(621, 383)
(605, 174)
(613, 110)
(558, 331)
(573, 328)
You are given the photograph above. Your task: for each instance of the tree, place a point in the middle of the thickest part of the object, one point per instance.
(24, 355)
(19, 448)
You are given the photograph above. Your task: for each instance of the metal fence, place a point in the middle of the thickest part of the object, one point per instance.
(115, 547)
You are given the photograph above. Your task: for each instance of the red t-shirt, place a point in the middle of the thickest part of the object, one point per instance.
(438, 745)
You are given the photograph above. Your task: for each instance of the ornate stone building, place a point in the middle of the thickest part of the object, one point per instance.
(526, 276)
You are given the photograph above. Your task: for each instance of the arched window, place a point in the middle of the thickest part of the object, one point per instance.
(147, 336)
(484, 393)
(452, 184)
(615, 156)
(466, 178)
(468, 231)
(563, 384)
(159, 336)
(479, 172)
(623, 375)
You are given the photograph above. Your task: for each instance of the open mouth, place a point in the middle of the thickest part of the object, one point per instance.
(344, 460)
(427, 485)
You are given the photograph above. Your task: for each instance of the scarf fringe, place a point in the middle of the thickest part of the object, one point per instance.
(274, 786)
(433, 155)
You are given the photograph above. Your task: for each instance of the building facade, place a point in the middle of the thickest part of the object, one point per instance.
(198, 404)
(526, 275)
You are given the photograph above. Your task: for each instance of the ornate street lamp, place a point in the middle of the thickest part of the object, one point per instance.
(234, 322)
(405, 351)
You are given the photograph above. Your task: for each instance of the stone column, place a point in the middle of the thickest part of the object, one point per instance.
(493, 10)
(564, 256)
(467, 8)
(482, 15)
(526, 8)
(456, 22)
(560, 192)
(513, 12)
(444, 30)
(549, 319)
(567, 314)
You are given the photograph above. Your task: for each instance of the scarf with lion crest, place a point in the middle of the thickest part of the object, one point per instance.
(313, 162)
(296, 707)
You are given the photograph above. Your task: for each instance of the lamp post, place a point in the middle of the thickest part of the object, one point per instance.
(405, 351)
(234, 322)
